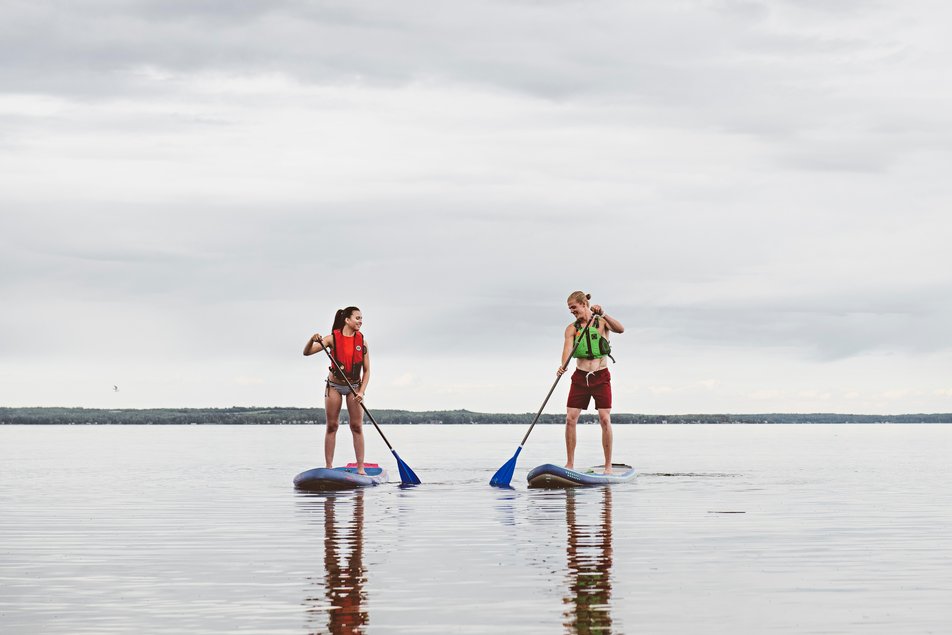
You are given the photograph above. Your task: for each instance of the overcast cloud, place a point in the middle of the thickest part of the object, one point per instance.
(757, 190)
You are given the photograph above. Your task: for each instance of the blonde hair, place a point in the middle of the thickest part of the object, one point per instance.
(579, 296)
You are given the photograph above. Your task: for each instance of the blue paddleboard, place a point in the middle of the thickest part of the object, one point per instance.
(556, 476)
(321, 478)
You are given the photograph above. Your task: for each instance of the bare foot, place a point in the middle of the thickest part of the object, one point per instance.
(608, 469)
(569, 466)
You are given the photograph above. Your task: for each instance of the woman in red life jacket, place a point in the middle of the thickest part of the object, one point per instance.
(349, 348)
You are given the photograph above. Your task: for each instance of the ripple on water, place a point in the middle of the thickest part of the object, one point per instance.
(730, 530)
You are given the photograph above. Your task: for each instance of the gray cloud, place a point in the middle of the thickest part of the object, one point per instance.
(783, 72)
(198, 185)
(824, 329)
(554, 51)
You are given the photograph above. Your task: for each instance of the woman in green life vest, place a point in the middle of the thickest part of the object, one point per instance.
(591, 379)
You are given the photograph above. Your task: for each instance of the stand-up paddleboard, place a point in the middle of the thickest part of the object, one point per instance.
(556, 476)
(321, 478)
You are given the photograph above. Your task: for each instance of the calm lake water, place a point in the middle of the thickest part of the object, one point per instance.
(727, 529)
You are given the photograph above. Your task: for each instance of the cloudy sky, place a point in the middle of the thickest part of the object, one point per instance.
(758, 191)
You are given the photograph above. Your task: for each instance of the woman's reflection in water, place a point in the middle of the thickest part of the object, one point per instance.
(344, 572)
(589, 555)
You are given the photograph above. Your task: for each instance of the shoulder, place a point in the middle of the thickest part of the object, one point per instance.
(570, 329)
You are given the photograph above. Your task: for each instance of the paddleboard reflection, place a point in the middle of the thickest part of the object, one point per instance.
(341, 608)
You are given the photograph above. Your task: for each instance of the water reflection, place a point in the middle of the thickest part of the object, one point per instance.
(589, 562)
(342, 608)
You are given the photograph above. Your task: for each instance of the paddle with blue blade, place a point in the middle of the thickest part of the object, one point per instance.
(407, 476)
(503, 475)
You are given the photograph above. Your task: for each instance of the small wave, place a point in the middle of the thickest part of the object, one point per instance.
(691, 474)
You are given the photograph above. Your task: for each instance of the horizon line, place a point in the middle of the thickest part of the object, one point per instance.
(479, 412)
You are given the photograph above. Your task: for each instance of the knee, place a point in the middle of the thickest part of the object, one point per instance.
(332, 426)
(605, 420)
(571, 420)
(356, 427)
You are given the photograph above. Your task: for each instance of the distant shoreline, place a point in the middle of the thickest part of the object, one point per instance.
(311, 416)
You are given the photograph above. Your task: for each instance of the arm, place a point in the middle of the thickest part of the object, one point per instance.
(317, 343)
(611, 323)
(365, 379)
(567, 347)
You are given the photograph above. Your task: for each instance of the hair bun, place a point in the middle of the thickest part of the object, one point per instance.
(588, 296)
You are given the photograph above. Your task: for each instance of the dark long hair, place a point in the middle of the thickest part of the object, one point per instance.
(341, 315)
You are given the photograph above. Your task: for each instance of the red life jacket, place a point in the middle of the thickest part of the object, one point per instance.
(349, 353)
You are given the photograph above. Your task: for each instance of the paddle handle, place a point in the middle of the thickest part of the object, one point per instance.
(556, 383)
(354, 390)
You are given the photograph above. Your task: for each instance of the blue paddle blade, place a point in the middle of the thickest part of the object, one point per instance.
(407, 476)
(503, 475)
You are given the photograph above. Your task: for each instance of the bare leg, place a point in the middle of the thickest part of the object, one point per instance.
(332, 403)
(571, 419)
(605, 420)
(357, 430)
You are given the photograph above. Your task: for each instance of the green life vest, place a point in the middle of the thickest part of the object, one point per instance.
(589, 343)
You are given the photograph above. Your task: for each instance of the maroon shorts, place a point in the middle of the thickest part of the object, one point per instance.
(599, 386)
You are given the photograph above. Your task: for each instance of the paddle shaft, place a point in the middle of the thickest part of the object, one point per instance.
(556, 382)
(354, 390)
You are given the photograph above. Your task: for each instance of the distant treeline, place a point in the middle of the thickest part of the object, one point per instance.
(306, 416)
